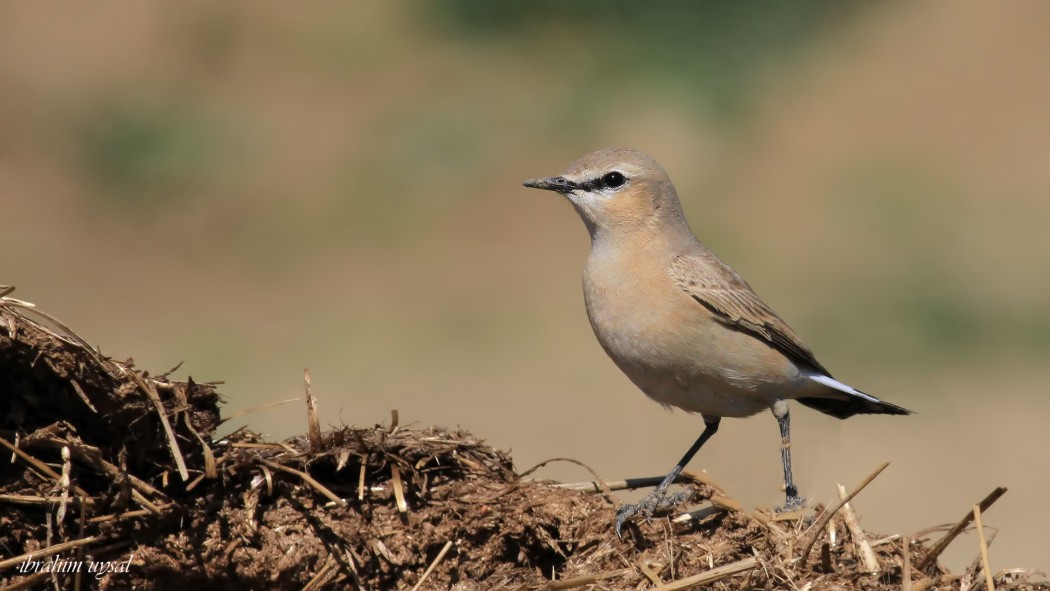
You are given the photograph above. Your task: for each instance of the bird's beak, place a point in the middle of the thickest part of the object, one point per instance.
(556, 183)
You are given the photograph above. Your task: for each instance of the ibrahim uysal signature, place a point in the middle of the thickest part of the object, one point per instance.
(57, 564)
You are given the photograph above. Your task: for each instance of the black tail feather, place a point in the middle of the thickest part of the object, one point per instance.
(846, 407)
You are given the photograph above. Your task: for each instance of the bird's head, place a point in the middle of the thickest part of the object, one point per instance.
(617, 191)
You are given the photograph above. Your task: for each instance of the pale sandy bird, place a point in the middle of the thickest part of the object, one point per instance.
(683, 325)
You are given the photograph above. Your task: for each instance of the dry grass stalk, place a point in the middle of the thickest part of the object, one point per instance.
(29, 582)
(715, 574)
(399, 491)
(652, 575)
(959, 527)
(725, 501)
(83, 395)
(92, 456)
(307, 479)
(268, 477)
(273, 446)
(196, 481)
(36, 464)
(146, 503)
(906, 569)
(612, 485)
(697, 514)
(383, 551)
(70, 337)
(173, 443)
(885, 540)
(587, 579)
(703, 478)
(210, 469)
(867, 555)
(63, 483)
(825, 517)
(41, 500)
(437, 559)
(81, 533)
(361, 482)
(49, 551)
(118, 516)
(323, 575)
(984, 548)
(313, 424)
(351, 561)
(601, 481)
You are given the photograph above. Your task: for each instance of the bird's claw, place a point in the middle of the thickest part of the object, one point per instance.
(792, 503)
(653, 502)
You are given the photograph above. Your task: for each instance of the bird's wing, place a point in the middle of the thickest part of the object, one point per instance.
(724, 292)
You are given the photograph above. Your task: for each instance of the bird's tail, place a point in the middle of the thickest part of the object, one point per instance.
(842, 401)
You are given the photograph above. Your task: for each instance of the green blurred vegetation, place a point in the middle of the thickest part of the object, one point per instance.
(708, 51)
(144, 154)
(932, 305)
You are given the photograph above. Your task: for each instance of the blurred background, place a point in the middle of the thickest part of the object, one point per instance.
(256, 189)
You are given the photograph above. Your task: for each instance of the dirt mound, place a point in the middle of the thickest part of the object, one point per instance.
(117, 481)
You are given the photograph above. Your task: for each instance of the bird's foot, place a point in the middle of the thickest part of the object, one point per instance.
(792, 503)
(653, 502)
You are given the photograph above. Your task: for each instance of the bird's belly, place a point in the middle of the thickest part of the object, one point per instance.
(700, 396)
(694, 363)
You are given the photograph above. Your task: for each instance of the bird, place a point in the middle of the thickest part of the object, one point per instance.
(682, 325)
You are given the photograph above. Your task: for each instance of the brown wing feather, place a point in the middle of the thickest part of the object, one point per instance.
(720, 289)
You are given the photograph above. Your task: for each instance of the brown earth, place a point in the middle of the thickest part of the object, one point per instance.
(110, 464)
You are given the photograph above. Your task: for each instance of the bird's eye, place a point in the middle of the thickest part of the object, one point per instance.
(613, 179)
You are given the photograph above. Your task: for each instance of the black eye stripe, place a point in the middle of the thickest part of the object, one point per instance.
(609, 180)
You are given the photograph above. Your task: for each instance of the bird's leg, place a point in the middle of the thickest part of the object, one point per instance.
(658, 498)
(780, 411)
